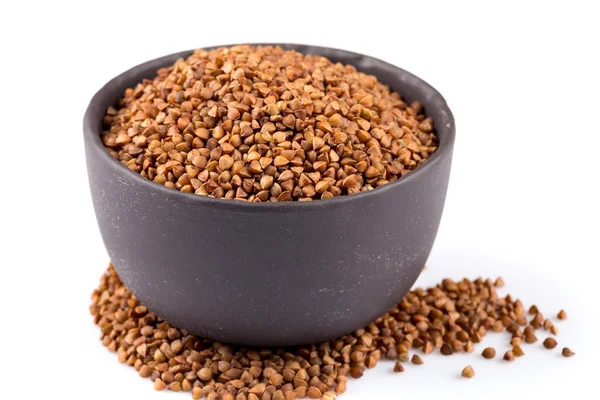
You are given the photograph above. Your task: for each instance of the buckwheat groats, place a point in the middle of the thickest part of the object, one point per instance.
(451, 315)
(264, 124)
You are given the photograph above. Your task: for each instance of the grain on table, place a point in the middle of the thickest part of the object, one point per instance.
(468, 372)
(427, 318)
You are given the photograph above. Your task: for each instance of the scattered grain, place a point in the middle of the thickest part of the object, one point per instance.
(450, 316)
(550, 343)
(398, 367)
(488, 353)
(417, 360)
(518, 351)
(567, 352)
(159, 385)
(468, 372)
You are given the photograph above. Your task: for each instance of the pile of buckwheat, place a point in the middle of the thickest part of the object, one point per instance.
(448, 318)
(263, 124)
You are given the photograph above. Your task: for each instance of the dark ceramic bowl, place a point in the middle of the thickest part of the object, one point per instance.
(272, 273)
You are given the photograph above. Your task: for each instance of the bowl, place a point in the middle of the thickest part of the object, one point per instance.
(269, 274)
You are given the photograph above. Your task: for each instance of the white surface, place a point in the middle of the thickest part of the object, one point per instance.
(522, 81)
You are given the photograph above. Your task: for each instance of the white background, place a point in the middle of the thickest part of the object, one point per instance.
(523, 83)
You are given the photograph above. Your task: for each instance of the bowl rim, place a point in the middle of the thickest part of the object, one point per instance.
(444, 149)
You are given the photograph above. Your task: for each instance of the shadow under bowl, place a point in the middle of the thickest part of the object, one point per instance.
(269, 274)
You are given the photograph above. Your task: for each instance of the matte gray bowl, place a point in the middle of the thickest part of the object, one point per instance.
(270, 274)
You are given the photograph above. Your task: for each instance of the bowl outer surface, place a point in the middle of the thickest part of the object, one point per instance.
(269, 274)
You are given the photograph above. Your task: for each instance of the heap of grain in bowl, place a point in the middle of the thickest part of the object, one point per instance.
(264, 124)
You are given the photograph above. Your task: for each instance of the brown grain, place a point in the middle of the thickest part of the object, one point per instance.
(550, 343)
(398, 367)
(219, 122)
(509, 356)
(417, 360)
(450, 316)
(566, 352)
(468, 372)
(488, 353)
(518, 351)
